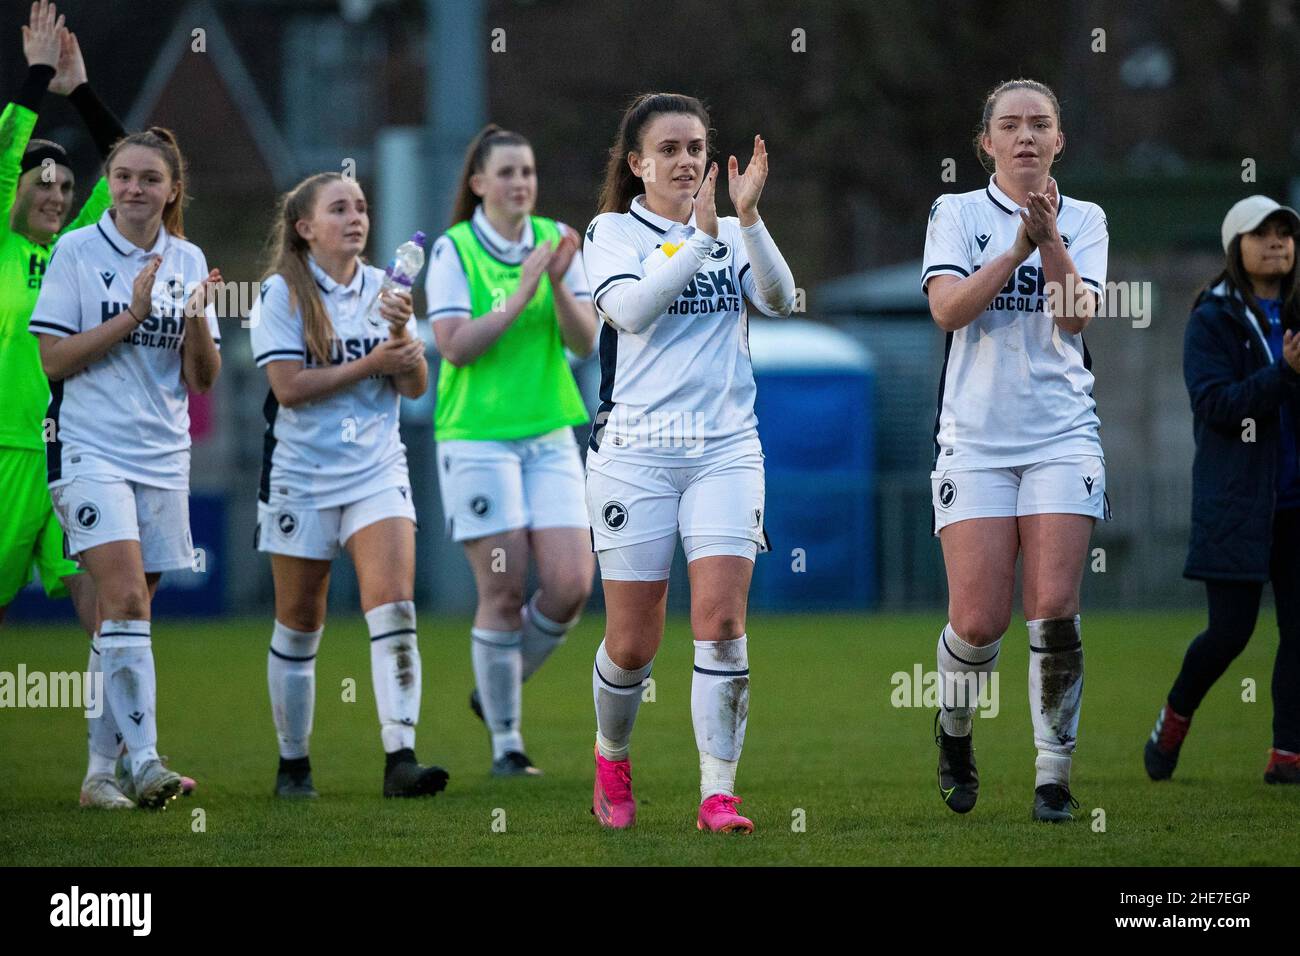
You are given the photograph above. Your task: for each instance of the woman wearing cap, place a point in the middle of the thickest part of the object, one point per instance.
(1241, 362)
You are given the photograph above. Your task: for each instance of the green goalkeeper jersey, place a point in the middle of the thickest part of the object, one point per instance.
(22, 265)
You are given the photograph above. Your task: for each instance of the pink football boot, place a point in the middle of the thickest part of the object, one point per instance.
(718, 814)
(612, 800)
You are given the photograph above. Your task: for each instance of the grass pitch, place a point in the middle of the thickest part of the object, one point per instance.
(832, 773)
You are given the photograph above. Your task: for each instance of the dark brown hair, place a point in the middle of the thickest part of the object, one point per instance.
(990, 101)
(476, 157)
(621, 184)
(287, 255)
(1235, 275)
(163, 141)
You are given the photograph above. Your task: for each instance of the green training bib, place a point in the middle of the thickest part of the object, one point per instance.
(521, 386)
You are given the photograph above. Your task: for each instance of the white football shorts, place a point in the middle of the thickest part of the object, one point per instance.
(488, 487)
(636, 512)
(1072, 485)
(94, 512)
(289, 527)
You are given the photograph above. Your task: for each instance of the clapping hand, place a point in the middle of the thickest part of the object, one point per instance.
(745, 188)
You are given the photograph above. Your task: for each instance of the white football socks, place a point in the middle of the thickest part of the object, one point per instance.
(395, 672)
(291, 678)
(617, 693)
(104, 740)
(959, 666)
(498, 668)
(126, 657)
(720, 711)
(1055, 695)
(541, 636)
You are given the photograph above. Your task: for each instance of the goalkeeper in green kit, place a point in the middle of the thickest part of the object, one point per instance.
(36, 189)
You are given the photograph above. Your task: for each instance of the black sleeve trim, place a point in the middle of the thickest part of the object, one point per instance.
(274, 353)
(611, 280)
(944, 267)
(50, 325)
(105, 128)
(34, 85)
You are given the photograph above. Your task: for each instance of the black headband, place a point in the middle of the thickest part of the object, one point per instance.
(37, 155)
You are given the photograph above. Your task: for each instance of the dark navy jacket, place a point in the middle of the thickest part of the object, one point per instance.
(1231, 376)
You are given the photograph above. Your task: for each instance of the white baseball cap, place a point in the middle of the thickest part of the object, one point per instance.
(1246, 216)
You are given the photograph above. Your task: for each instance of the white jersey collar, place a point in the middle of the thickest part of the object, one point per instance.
(1008, 205)
(329, 286)
(496, 244)
(658, 223)
(123, 246)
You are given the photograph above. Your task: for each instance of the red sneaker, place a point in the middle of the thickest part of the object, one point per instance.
(612, 800)
(1161, 752)
(1282, 767)
(718, 814)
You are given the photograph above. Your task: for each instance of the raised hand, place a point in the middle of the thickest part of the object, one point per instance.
(71, 71)
(706, 210)
(1024, 246)
(563, 256)
(745, 188)
(534, 266)
(204, 294)
(42, 36)
(142, 289)
(1040, 218)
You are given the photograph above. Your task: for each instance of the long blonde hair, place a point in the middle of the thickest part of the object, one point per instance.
(287, 255)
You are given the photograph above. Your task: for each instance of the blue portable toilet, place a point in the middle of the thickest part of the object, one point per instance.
(816, 418)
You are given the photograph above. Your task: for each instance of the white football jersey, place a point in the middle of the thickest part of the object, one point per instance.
(447, 290)
(681, 392)
(1014, 389)
(127, 415)
(347, 445)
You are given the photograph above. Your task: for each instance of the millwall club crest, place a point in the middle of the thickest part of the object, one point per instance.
(720, 251)
(615, 515)
(947, 493)
(287, 523)
(1065, 240)
(87, 515)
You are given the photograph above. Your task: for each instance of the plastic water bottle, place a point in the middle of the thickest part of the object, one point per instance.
(401, 272)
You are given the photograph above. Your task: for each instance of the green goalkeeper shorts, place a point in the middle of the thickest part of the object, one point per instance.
(30, 534)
